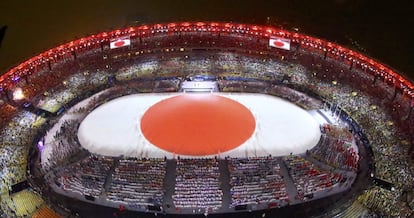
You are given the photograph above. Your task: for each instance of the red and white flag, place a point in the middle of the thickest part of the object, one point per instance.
(119, 42)
(281, 43)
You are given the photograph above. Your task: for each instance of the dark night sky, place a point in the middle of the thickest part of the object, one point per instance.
(384, 29)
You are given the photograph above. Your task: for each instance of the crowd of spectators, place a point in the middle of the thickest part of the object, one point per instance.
(336, 152)
(170, 85)
(7, 114)
(308, 178)
(13, 148)
(86, 177)
(296, 97)
(137, 70)
(138, 181)
(63, 146)
(366, 99)
(197, 184)
(295, 77)
(357, 210)
(71, 87)
(256, 181)
(372, 104)
(14, 171)
(16, 137)
(384, 202)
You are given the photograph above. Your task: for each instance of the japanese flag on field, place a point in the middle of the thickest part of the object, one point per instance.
(281, 43)
(119, 42)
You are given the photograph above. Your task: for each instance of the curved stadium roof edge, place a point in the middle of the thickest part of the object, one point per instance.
(305, 41)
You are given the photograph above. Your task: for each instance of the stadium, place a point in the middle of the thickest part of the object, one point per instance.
(205, 119)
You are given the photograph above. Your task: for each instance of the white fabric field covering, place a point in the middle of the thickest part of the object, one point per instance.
(281, 127)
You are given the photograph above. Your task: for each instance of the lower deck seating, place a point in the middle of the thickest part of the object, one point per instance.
(307, 178)
(255, 181)
(138, 181)
(86, 177)
(197, 184)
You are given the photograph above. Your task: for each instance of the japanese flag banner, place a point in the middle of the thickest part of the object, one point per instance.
(281, 43)
(119, 42)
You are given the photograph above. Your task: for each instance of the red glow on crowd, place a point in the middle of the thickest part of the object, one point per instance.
(305, 41)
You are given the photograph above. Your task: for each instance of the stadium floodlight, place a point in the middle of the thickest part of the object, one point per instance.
(18, 94)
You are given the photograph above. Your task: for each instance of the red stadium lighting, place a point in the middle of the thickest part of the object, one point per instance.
(158, 26)
(282, 33)
(145, 27)
(117, 32)
(267, 31)
(185, 24)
